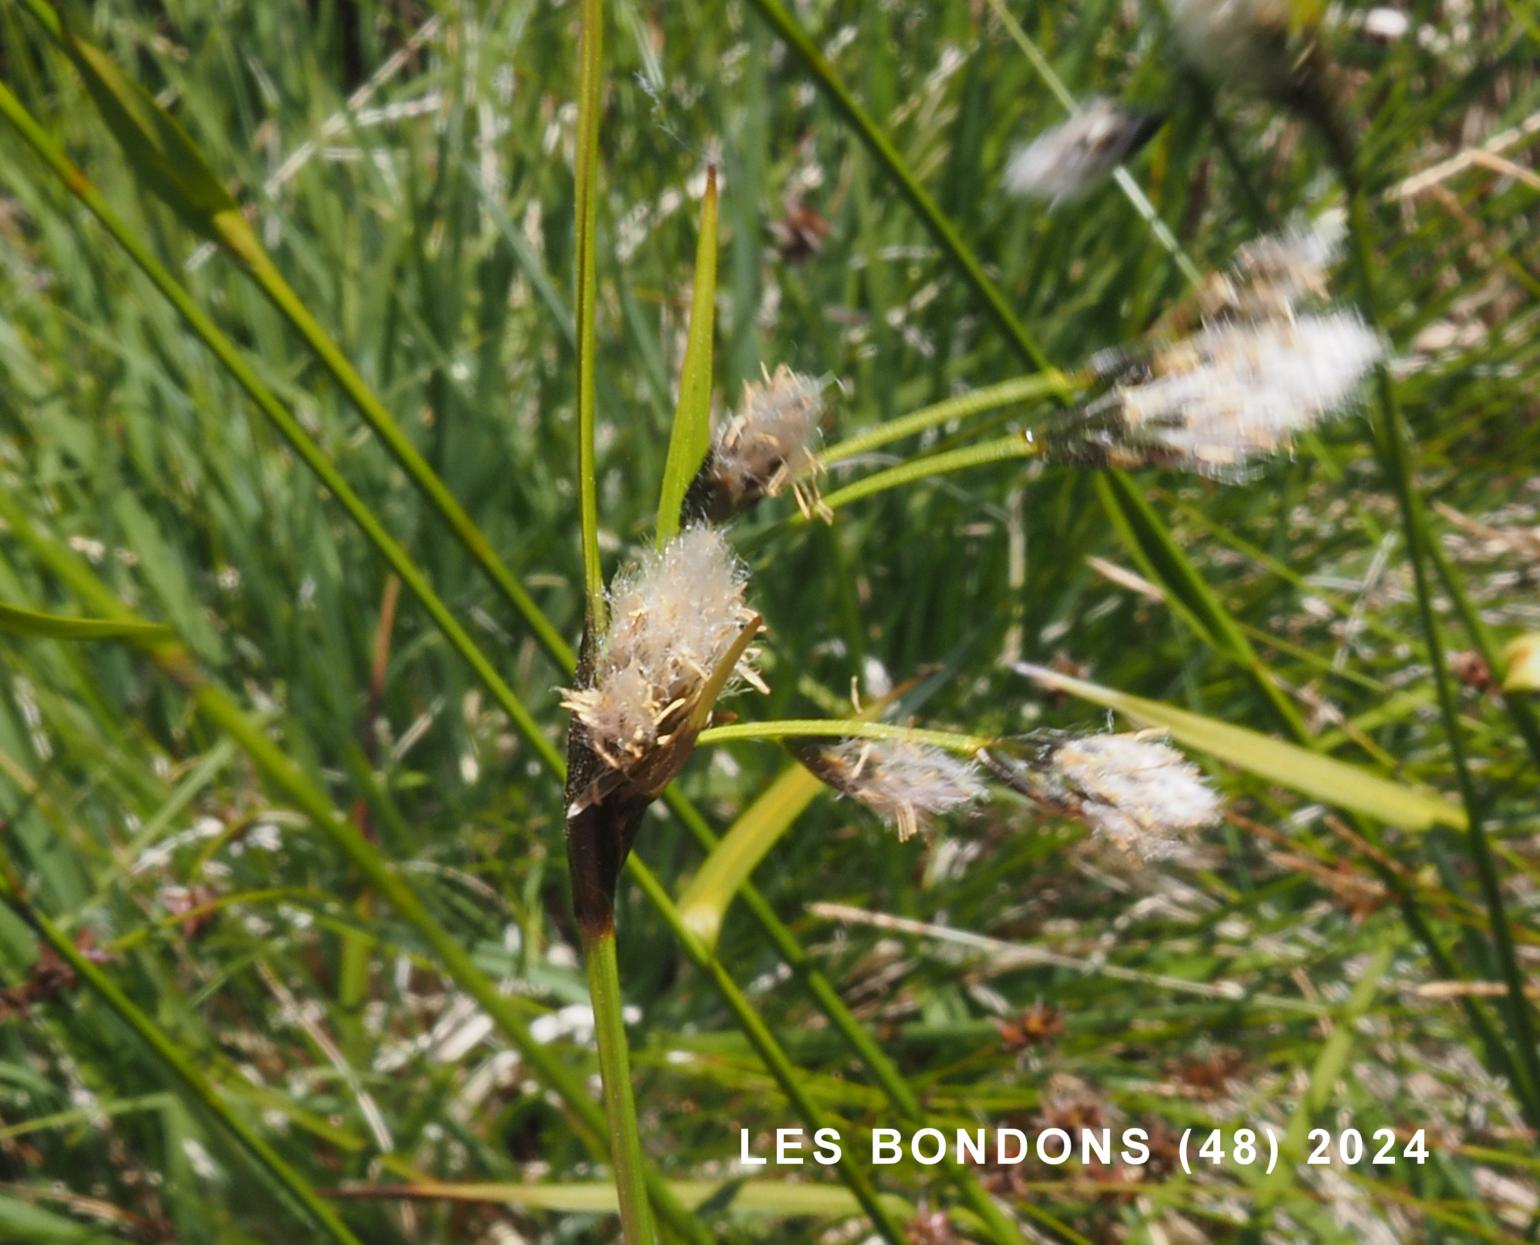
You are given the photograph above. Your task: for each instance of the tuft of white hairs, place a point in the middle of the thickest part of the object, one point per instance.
(1241, 41)
(1071, 158)
(904, 783)
(769, 441)
(1236, 390)
(674, 615)
(1272, 275)
(1136, 792)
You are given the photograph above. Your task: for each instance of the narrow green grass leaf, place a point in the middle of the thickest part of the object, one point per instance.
(977, 402)
(590, 104)
(691, 434)
(1013, 446)
(1318, 777)
(775, 1199)
(17, 621)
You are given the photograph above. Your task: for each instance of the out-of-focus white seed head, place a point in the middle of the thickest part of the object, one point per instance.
(674, 616)
(1071, 158)
(1138, 793)
(904, 783)
(1240, 41)
(1238, 390)
(1274, 274)
(768, 443)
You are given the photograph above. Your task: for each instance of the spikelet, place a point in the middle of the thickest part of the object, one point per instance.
(1132, 790)
(675, 617)
(906, 784)
(767, 444)
(1238, 390)
(1273, 275)
(1071, 158)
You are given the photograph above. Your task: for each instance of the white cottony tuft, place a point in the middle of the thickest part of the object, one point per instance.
(769, 442)
(904, 783)
(1236, 390)
(1241, 41)
(1137, 792)
(674, 616)
(1272, 275)
(1071, 158)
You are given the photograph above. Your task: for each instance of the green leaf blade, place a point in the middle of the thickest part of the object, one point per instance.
(691, 433)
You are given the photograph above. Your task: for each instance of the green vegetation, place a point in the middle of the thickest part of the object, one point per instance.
(349, 349)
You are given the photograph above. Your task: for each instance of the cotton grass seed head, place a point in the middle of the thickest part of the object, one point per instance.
(906, 784)
(1070, 159)
(1238, 390)
(675, 617)
(1272, 276)
(767, 444)
(1134, 791)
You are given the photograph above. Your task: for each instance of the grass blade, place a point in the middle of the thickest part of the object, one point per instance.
(590, 103)
(17, 621)
(691, 434)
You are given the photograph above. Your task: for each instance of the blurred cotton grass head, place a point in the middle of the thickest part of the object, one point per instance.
(766, 445)
(1070, 159)
(1133, 790)
(678, 638)
(1273, 275)
(906, 784)
(1232, 392)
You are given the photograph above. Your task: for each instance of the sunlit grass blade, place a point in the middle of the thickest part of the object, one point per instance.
(703, 903)
(16, 621)
(690, 437)
(1288, 765)
(756, 1199)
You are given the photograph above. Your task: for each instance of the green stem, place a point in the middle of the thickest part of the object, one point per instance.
(615, 1071)
(180, 1065)
(1398, 457)
(976, 402)
(590, 91)
(842, 728)
(1014, 446)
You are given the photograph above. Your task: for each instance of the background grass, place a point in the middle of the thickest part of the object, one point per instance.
(429, 229)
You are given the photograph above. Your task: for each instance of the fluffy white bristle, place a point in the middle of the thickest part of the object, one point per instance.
(1137, 792)
(1237, 390)
(1071, 158)
(906, 784)
(769, 441)
(674, 616)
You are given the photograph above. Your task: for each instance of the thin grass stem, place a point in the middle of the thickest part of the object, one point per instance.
(1016, 445)
(977, 402)
(615, 1072)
